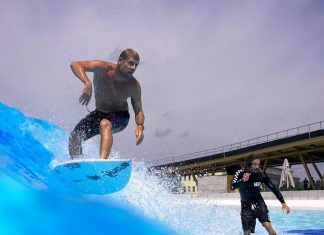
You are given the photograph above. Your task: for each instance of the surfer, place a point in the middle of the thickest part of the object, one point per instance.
(113, 84)
(249, 181)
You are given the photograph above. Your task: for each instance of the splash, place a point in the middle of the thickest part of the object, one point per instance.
(33, 201)
(29, 146)
(151, 195)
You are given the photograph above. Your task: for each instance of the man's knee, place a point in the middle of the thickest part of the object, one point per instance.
(105, 125)
(247, 232)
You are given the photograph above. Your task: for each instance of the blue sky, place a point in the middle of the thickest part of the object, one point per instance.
(211, 74)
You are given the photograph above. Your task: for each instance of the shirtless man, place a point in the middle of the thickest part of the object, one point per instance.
(113, 85)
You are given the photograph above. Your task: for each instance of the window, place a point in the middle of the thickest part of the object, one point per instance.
(184, 189)
(189, 189)
(189, 177)
(193, 189)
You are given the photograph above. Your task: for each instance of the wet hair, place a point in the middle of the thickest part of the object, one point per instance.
(249, 160)
(129, 53)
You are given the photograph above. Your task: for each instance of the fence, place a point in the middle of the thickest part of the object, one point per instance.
(243, 144)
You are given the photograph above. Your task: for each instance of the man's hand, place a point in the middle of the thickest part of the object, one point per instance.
(285, 208)
(86, 94)
(246, 177)
(139, 134)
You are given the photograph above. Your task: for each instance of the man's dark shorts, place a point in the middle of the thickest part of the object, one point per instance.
(89, 126)
(249, 213)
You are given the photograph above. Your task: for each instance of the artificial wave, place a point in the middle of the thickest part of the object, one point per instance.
(33, 200)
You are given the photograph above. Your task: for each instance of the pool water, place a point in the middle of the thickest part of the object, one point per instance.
(34, 201)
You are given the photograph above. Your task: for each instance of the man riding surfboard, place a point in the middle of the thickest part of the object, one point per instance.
(113, 84)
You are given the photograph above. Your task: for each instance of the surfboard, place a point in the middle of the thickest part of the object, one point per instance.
(95, 176)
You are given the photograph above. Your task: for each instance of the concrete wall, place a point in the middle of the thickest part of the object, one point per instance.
(212, 184)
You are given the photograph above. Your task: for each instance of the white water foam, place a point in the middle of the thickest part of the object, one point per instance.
(152, 196)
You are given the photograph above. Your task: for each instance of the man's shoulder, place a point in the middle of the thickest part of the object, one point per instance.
(134, 82)
(265, 177)
(101, 64)
(108, 65)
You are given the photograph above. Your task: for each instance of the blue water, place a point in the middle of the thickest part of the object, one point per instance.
(304, 222)
(33, 201)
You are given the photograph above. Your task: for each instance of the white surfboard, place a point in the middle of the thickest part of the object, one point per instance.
(95, 176)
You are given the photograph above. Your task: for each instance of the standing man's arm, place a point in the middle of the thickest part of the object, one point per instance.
(239, 179)
(139, 115)
(80, 68)
(266, 180)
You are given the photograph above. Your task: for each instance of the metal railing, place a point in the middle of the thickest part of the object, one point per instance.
(243, 144)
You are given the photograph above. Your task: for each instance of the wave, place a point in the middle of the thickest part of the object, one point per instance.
(34, 201)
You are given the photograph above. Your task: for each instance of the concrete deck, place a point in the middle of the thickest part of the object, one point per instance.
(306, 200)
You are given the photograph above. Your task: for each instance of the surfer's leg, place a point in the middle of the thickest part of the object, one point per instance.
(85, 129)
(247, 218)
(269, 228)
(106, 138)
(263, 216)
(75, 147)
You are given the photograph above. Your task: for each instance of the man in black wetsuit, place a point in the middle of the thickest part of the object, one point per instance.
(249, 181)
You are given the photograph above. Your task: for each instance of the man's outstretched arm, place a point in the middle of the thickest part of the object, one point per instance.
(275, 190)
(139, 114)
(238, 180)
(80, 68)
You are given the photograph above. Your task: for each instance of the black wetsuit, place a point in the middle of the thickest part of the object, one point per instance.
(252, 203)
